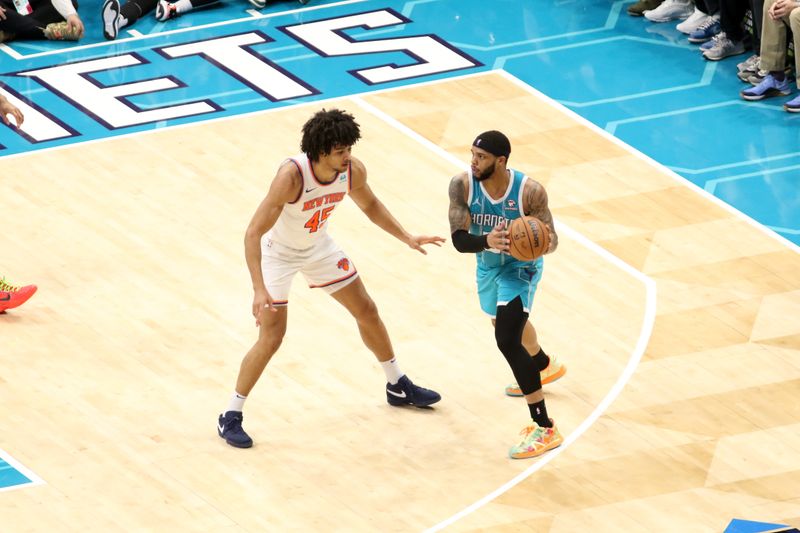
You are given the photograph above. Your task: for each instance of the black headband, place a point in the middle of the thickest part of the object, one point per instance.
(493, 142)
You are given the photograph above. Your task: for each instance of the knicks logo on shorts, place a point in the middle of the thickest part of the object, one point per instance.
(343, 264)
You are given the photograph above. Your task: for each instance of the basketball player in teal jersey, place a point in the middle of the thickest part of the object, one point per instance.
(483, 202)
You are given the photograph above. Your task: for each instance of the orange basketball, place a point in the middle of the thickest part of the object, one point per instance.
(529, 238)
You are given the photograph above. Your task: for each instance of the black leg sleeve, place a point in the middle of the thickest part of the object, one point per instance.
(508, 327)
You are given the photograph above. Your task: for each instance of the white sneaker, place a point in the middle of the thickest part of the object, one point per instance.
(110, 14)
(165, 11)
(670, 10)
(693, 22)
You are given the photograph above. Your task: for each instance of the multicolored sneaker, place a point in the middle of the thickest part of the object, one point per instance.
(554, 371)
(229, 427)
(61, 31)
(404, 392)
(12, 296)
(535, 441)
(165, 11)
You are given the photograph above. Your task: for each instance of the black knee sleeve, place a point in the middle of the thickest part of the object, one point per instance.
(508, 333)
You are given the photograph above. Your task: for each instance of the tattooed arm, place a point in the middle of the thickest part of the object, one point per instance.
(459, 210)
(463, 240)
(534, 199)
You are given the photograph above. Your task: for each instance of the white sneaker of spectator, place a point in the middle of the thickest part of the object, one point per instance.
(694, 21)
(670, 10)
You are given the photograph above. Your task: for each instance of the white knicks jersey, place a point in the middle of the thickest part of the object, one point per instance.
(304, 221)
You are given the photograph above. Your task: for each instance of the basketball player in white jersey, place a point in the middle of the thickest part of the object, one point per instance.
(288, 234)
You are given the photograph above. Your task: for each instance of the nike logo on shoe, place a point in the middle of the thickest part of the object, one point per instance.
(399, 395)
(221, 429)
(4, 297)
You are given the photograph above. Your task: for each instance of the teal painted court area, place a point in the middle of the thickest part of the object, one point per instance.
(640, 81)
(11, 475)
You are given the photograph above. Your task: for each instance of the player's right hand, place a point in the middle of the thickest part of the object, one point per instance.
(262, 299)
(498, 238)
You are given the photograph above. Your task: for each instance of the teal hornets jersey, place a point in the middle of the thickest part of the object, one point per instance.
(485, 213)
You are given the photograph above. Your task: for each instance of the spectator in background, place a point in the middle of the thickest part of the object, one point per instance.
(56, 20)
(779, 15)
(750, 69)
(731, 40)
(117, 16)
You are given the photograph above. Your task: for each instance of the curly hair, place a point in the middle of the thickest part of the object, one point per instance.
(327, 129)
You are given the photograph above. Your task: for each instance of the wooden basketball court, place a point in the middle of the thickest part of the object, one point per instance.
(115, 372)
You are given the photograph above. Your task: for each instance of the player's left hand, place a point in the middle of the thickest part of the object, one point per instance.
(416, 242)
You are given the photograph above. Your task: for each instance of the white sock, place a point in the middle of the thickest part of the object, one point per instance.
(183, 6)
(236, 403)
(392, 371)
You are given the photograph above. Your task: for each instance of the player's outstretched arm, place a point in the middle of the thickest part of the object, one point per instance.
(463, 240)
(534, 198)
(378, 214)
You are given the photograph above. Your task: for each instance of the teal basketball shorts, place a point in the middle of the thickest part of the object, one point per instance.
(499, 285)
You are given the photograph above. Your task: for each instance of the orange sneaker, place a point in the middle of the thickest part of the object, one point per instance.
(535, 441)
(554, 371)
(11, 296)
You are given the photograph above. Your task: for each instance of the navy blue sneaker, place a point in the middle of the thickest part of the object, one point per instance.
(229, 428)
(706, 31)
(711, 43)
(406, 393)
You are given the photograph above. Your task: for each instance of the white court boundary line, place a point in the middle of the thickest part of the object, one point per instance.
(696, 188)
(636, 356)
(34, 479)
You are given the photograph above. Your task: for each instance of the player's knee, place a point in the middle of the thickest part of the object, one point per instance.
(366, 310)
(507, 343)
(271, 334)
